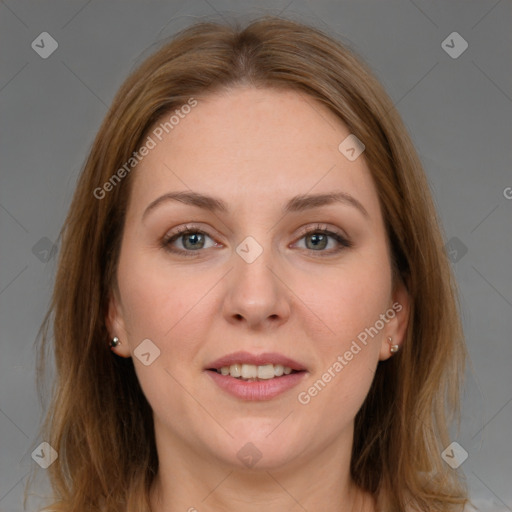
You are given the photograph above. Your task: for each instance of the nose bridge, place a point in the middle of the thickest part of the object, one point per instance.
(255, 292)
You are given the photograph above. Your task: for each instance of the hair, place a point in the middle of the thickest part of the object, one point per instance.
(97, 407)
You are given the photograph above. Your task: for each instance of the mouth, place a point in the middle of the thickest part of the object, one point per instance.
(254, 373)
(255, 377)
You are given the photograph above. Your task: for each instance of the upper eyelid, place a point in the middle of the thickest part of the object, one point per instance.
(304, 231)
(321, 227)
(184, 229)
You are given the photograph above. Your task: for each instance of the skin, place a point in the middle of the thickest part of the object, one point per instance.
(254, 149)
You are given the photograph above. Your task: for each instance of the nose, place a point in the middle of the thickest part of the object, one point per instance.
(256, 293)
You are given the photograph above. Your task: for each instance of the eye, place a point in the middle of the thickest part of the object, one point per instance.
(319, 238)
(187, 240)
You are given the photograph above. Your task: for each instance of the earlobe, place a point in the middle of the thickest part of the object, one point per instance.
(393, 347)
(397, 327)
(116, 329)
(388, 348)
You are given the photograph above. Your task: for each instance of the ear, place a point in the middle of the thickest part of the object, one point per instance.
(116, 325)
(396, 328)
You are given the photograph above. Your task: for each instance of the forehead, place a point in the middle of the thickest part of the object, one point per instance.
(251, 144)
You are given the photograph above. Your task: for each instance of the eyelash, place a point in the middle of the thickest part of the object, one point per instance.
(318, 229)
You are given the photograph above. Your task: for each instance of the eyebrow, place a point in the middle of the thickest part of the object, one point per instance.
(192, 198)
(295, 204)
(306, 201)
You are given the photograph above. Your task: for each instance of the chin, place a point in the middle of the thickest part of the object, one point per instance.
(259, 446)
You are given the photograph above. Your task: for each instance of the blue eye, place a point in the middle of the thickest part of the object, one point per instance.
(191, 240)
(318, 239)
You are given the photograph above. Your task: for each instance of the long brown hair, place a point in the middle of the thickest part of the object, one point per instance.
(97, 408)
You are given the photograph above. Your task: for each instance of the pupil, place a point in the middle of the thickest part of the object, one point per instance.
(195, 238)
(318, 240)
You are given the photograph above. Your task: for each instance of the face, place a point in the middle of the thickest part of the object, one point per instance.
(274, 255)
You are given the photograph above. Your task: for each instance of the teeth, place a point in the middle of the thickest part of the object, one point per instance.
(235, 370)
(253, 372)
(266, 372)
(249, 371)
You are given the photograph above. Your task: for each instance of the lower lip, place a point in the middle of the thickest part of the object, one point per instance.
(258, 390)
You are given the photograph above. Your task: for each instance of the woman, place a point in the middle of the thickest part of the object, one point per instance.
(253, 308)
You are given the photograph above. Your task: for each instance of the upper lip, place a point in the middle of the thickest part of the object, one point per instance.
(256, 359)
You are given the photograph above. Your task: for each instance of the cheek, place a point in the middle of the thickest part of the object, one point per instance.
(157, 299)
(350, 302)
(166, 308)
(350, 299)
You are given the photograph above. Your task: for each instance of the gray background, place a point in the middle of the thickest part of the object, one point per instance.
(458, 112)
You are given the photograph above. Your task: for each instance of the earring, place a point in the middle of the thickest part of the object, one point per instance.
(115, 342)
(392, 348)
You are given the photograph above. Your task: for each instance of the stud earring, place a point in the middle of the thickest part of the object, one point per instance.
(392, 348)
(115, 342)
